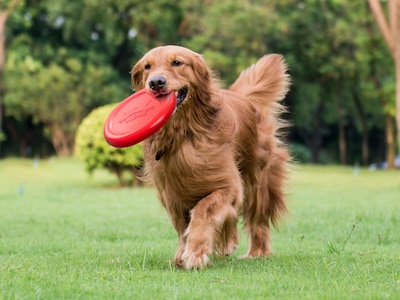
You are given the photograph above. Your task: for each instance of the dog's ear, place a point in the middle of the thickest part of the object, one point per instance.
(137, 76)
(200, 68)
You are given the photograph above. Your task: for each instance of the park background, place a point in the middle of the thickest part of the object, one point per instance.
(65, 58)
(67, 235)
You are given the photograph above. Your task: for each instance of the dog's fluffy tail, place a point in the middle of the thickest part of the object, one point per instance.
(264, 83)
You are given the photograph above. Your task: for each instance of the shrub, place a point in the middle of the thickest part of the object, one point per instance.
(92, 148)
(300, 153)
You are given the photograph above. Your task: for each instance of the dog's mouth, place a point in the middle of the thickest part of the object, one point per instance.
(181, 95)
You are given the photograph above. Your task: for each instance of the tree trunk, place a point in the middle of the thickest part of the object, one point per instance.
(119, 172)
(380, 18)
(316, 136)
(390, 30)
(388, 122)
(398, 100)
(60, 141)
(342, 131)
(389, 141)
(342, 138)
(398, 90)
(364, 126)
(394, 15)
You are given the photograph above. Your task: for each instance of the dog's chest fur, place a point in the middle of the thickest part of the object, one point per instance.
(191, 168)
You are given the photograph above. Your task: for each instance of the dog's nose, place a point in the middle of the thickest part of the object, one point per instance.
(157, 83)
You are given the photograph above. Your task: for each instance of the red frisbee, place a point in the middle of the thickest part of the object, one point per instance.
(138, 117)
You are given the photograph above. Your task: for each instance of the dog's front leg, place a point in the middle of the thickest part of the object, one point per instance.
(206, 221)
(180, 226)
(180, 218)
(180, 223)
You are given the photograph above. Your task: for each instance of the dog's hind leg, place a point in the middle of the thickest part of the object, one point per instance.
(265, 203)
(228, 238)
(207, 220)
(256, 219)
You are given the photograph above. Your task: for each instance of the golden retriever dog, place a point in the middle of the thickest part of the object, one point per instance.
(219, 156)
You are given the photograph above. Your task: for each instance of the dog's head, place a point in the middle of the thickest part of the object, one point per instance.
(172, 68)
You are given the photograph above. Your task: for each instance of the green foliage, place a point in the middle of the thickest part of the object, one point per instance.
(92, 148)
(57, 95)
(83, 51)
(230, 44)
(116, 32)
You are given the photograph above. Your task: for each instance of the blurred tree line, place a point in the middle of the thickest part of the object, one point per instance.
(65, 58)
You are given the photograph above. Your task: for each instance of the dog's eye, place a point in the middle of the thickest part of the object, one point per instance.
(176, 63)
(147, 66)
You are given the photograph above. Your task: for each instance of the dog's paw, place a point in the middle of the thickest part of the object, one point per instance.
(226, 250)
(230, 249)
(256, 254)
(178, 261)
(192, 260)
(245, 256)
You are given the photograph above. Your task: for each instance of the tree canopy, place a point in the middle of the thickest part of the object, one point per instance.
(66, 58)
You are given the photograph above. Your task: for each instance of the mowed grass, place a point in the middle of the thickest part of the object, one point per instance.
(64, 235)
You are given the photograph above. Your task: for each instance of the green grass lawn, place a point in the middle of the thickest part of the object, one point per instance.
(64, 235)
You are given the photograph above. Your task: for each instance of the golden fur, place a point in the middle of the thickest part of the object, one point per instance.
(219, 156)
